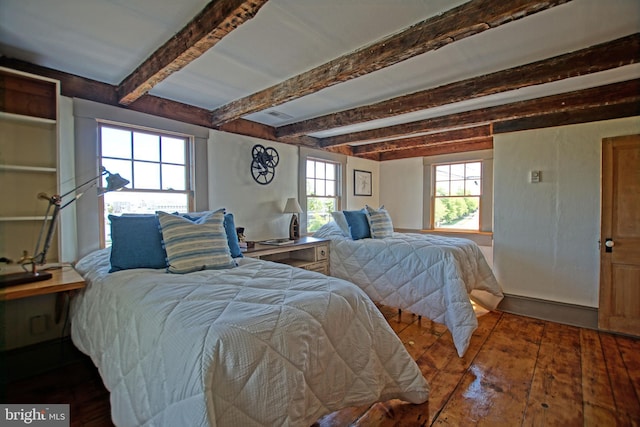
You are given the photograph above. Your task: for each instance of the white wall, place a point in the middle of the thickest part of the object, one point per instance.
(353, 202)
(401, 191)
(546, 234)
(256, 207)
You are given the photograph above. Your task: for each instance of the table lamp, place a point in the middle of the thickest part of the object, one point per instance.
(294, 208)
(114, 182)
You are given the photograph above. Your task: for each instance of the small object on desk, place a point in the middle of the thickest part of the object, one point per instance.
(277, 242)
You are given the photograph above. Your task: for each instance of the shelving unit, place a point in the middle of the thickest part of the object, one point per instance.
(29, 160)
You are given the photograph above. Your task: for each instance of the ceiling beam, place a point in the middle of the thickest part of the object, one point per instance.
(458, 135)
(576, 102)
(433, 33)
(437, 149)
(602, 57)
(213, 23)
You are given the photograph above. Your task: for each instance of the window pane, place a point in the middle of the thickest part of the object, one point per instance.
(311, 168)
(320, 169)
(146, 147)
(474, 170)
(123, 167)
(119, 202)
(331, 188)
(472, 187)
(147, 175)
(331, 171)
(442, 173)
(320, 188)
(442, 188)
(173, 177)
(457, 188)
(457, 212)
(311, 188)
(173, 150)
(116, 143)
(457, 171)
(319, 212)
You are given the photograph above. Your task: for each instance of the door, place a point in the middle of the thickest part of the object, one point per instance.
(619, 309)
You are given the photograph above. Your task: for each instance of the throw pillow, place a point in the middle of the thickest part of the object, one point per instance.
(358, 224)
(339, 218)
(379, 222)
(195, 246)
(136, 242)
(229, 228)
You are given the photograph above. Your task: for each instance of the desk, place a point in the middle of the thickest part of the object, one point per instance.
(64, 281)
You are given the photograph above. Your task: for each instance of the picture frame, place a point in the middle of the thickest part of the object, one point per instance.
(361, 183)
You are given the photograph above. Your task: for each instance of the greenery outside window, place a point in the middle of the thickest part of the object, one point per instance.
(157, 165)
(322, 184)
(457, 196)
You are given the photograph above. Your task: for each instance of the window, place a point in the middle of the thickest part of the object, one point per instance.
(157, 166)
(457, 192)
(322, 183)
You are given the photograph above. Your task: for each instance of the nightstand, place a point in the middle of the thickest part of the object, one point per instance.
(64, 281)
(309, 253)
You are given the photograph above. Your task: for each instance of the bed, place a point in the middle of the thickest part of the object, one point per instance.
(429, 275)
(255, 344)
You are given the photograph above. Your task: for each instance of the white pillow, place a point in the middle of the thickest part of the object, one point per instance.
(338, 217)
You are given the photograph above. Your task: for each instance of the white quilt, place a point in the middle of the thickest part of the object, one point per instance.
(429, 275)
(262, 344)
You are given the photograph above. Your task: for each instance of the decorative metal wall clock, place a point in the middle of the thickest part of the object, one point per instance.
(263, 165)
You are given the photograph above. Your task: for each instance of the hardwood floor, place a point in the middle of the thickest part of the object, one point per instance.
(518, 371)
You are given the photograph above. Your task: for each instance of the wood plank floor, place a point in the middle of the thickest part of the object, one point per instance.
(518, 371)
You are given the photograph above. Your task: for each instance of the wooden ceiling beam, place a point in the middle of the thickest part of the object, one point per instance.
(213, 23)
(458, 135)
(433, 33)
(437, 149)
(602, 57)
(576, 102)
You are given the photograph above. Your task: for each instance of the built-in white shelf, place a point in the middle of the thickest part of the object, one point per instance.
(21, 218)
(19, 168)
(22, 118)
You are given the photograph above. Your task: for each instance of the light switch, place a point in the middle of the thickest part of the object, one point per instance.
(535, 176)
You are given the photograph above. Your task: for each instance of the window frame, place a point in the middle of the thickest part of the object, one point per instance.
(310, 153)
(485, 157)
(464, 180)
(337, 180)
(189, 190)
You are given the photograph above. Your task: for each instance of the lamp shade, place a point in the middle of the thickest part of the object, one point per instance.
(114, 182)
(292, 206)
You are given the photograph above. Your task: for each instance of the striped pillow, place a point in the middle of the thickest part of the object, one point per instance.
(379, 222)
(195, 246)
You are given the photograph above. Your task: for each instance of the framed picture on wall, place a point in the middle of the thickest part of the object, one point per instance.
(361, 183)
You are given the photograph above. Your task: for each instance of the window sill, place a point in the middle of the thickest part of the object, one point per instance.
(482, 238)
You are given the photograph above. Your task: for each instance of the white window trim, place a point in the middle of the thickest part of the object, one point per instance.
(305, 153)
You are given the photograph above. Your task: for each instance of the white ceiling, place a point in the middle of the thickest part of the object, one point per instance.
(106, 40)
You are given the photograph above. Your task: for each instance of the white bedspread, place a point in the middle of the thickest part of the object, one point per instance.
(262, 344)
(429, 275)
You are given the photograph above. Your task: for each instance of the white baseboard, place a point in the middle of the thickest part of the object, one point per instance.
(569, 314)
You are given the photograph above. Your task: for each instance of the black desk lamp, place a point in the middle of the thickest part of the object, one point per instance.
(114, 182)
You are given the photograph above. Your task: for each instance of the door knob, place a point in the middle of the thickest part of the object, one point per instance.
(609, 245)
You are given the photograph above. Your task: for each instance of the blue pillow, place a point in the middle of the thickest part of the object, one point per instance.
(232, 236)
(136, 242)
(229, 228)
(358, 224)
